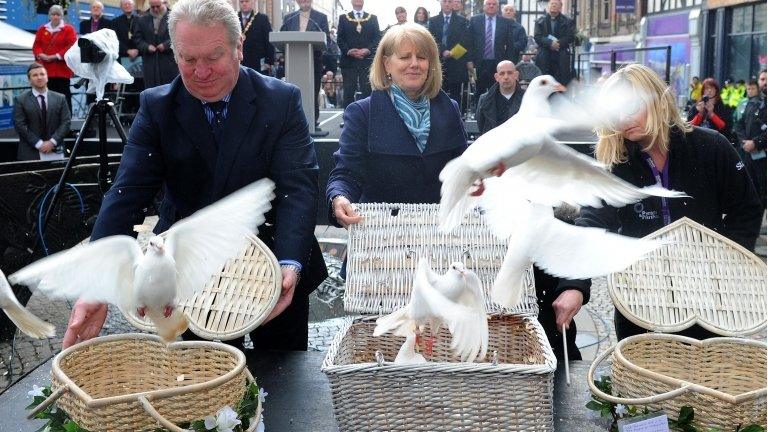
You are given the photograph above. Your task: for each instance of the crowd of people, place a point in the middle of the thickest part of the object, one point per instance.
(220, 124)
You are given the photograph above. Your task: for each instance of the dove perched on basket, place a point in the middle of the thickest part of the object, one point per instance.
(524, 146)
(25, 320)
(176, 265)
(454, 299)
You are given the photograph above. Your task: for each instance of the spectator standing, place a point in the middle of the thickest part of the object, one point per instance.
(97, 21)
(554, 33)
(154, 43)
(421, 16)
(358, 38)
(52, 41)
(41, 118)
(502, 100)
(450, 31)
(508, 11)
(493, 39)
(258, 53)
(124, 27)
(710, 112)
(308, 19)
(750, 131)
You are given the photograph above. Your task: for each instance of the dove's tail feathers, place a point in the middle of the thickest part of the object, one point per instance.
(660, 191)
(28, 323)
(508, 287)
(398, 322)
(168, 328)
(455, 200)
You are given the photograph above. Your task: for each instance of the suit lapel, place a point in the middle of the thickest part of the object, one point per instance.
(242, 113)
(192, 121)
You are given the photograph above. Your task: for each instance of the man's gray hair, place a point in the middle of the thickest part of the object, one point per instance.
(56, 9)
(205, 13)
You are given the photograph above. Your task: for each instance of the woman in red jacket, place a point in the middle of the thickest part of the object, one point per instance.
(710, 111)
(52, 40)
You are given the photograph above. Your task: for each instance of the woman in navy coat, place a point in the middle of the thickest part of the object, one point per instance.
(396, 142)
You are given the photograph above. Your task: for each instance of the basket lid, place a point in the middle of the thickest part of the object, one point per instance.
(697, 277)
(235, 300)
(383, 251)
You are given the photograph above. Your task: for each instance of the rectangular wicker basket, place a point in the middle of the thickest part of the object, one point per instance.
(511, 389)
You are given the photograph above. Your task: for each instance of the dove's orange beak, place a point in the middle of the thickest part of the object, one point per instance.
(560, 88)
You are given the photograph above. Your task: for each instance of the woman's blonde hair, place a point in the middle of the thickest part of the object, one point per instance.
(422, 42)
(661, 112)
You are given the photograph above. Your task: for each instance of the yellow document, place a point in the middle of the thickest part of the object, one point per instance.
(458, 51)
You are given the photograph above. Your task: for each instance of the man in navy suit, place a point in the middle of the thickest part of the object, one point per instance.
(358, 37)
(308, 19)
(256, 29)
(554, 33)
(450, 29)
(494, 38)
(213, 130)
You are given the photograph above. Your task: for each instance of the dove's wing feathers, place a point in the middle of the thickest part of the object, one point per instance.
(573, 252)
(25, 320)
(100, 271)
(407, 353)
(398, 322)
(202, 243)
(505, 210)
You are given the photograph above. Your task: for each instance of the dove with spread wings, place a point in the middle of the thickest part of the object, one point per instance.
(176, 265)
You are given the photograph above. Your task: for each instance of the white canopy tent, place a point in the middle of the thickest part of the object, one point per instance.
(15, 45)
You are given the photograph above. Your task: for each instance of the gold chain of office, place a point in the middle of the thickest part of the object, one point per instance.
(351, 17)
(248, 24)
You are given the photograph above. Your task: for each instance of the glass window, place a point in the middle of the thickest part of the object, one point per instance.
(740, 21)
(759, 25)
(758, 54)
(739, 57)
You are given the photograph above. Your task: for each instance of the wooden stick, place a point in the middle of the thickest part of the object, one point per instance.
(565, 359)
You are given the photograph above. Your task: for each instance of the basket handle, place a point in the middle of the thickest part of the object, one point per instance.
(147, 405)
(628, 401)
(49, 400)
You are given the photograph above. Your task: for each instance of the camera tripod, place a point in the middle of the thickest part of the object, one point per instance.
(102, 108)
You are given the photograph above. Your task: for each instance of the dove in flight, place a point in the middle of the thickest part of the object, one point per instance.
(558, 248)
(175, 266)
(454, 299)
(524, 145)
(407, 353)
(25, 320)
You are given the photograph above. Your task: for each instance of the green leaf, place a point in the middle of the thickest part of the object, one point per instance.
(594, 405)
(753, 428)
(686, 415)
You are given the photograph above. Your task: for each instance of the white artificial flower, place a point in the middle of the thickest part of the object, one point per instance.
(260, 426)
(36, 391)
(621, 410)
(225, 420)
(262, 395)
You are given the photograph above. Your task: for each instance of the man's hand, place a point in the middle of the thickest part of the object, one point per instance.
(566, 306)
(446, 53)
(85, 322)
(344, 211)
(133, 52)
(748, 146)
(161, 47)
(555, 46)
(290, 279)
(364, 52)
(151, 48)
(353, 52)
(47, 147)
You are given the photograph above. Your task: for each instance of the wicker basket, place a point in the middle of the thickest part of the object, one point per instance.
(699, 277)
(132, 382)
(234, 301)
(512, 390)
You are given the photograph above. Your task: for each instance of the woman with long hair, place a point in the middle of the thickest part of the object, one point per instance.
(421, 16)
(710, 111)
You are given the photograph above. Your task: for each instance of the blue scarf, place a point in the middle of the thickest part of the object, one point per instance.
(414, 114)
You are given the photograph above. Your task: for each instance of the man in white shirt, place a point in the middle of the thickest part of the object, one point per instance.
(41, 118)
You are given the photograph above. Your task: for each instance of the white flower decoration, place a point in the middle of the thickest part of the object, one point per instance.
(225, 420)
(36, 391)
(260, 426)
(621, 410)
(262, 395)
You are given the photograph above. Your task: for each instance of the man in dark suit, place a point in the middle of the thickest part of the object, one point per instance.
(154, 43)
(494, 38)
(358, 37)
(215, 129)
(449, 30)
(256, 29)
(41, 118)
(554, 33)
(96, 21)
(308, 19)
(124, 27)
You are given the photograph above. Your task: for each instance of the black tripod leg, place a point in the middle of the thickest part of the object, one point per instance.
(118, 125)
(103, 159)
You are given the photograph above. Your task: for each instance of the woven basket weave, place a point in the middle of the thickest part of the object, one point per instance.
(511, 391)
(130, 382)
(235, 300)
(699, 277)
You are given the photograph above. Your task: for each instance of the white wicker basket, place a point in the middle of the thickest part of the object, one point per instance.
(510, 390)
(698, 277)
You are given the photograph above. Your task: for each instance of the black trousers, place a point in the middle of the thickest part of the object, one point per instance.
(453, 89)
(626, 328)
(288, 332)
(318, 78)
(547, 320)
(352, 78)
(61, 85)
(485, 71)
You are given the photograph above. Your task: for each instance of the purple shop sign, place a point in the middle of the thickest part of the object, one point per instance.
(625, 6)
(668, 24)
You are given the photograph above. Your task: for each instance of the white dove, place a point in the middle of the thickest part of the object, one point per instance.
(25, 320)
(174, 267)
(560, 249)
(454, 299)
(407, 353)
(525, 145)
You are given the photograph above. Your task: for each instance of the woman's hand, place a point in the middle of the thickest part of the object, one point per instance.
(345, 211)
(700, 106)
(710, 106)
